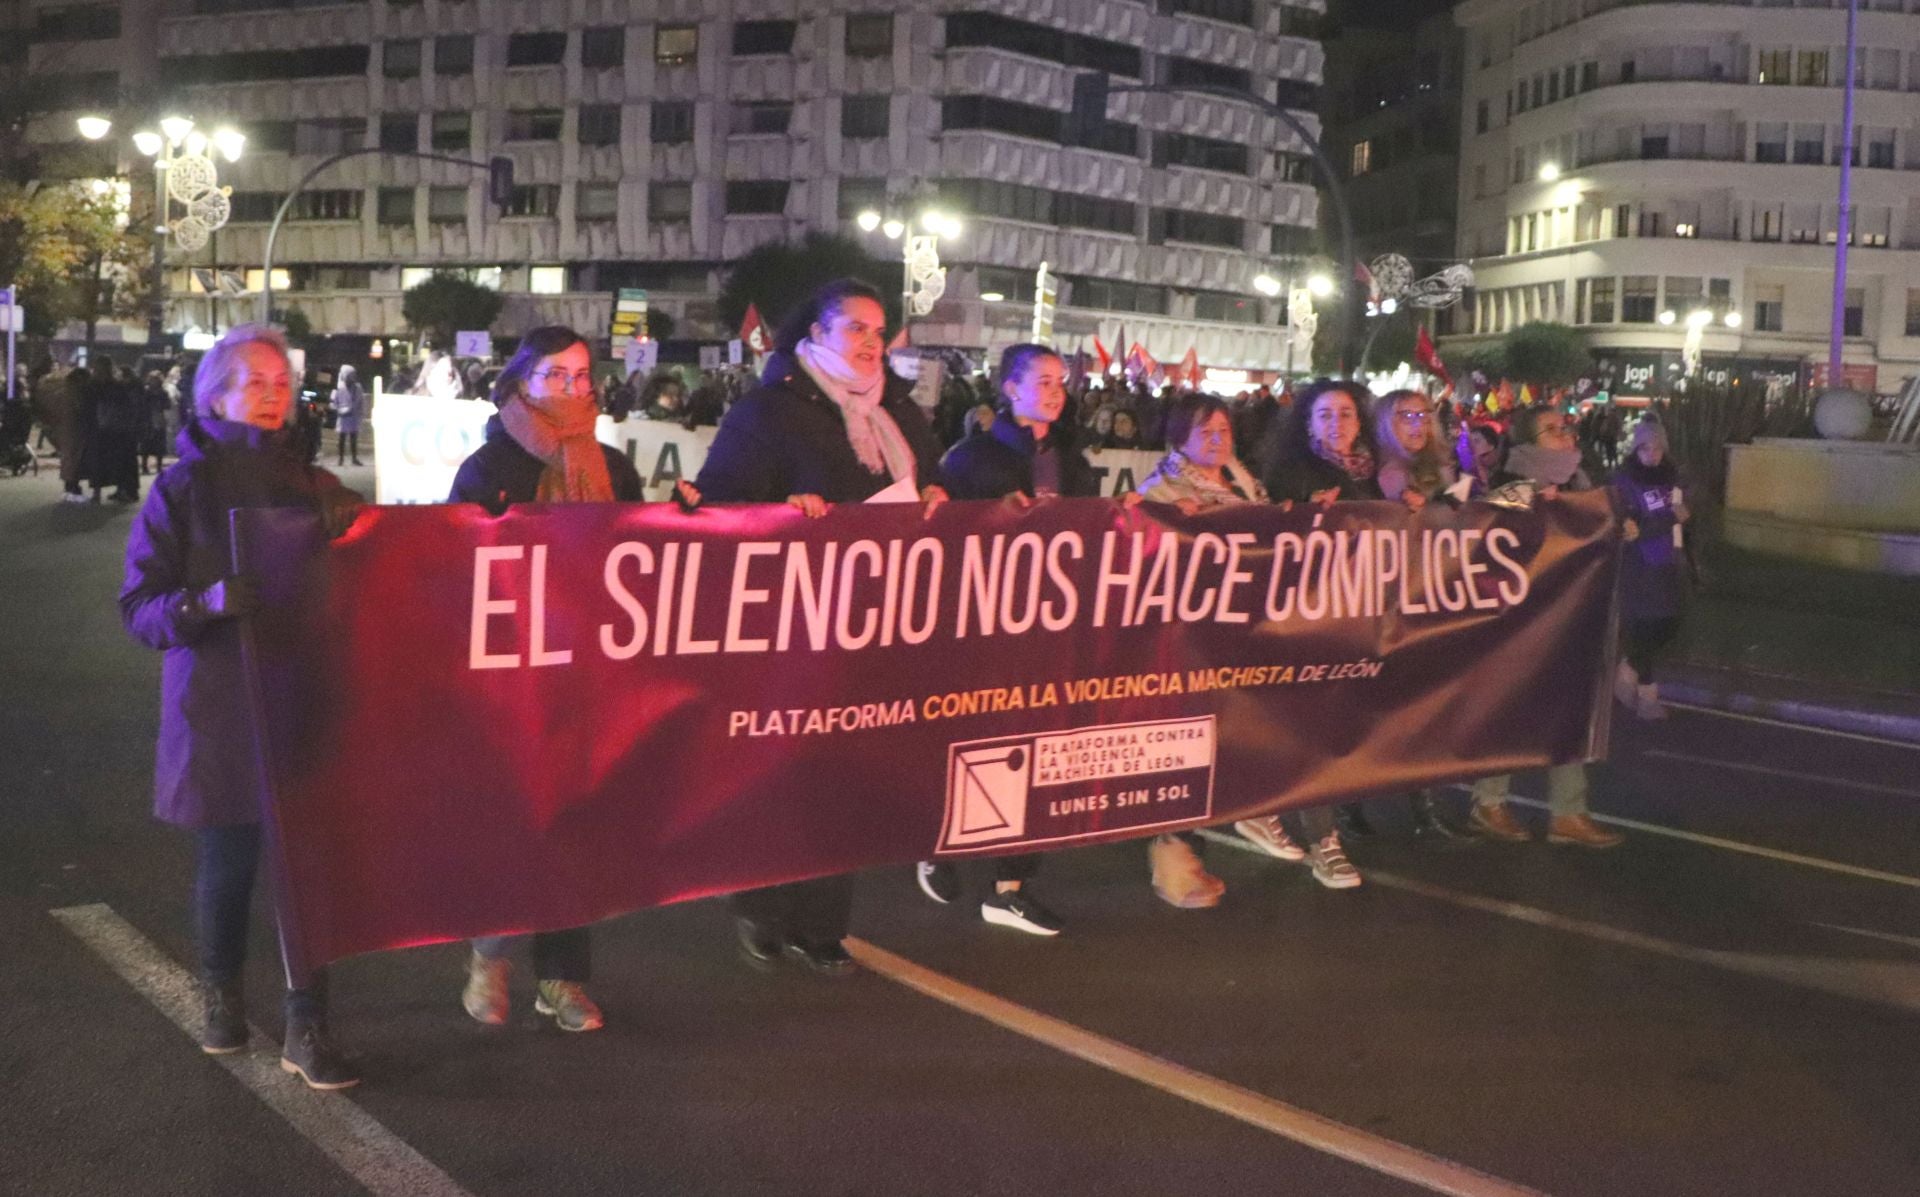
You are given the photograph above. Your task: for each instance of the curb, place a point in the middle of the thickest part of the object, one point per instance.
(1735, 694)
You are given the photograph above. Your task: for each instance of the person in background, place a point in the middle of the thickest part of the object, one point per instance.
(1027, 453)
(1126, 431)
(349, 408)
(156, 409)
(1650, 495)
(183, 595)
(120, 420)
(827, 424)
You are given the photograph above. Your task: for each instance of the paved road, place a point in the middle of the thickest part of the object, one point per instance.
(1728, 1004)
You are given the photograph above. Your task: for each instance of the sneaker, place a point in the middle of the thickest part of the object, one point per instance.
(829, 959)
(1495, 821)
(759, 946)
(1331, 867)
(309, 1054)
(1581, 831)
(485, 996)
(224, 1027)
(1015, 909)
(939, 880)
(73, 497)
(1179, 877)
(1270, 837)
(568, 1005)
(1646, 703)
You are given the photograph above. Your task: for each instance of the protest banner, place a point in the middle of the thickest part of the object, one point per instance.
(475, 725)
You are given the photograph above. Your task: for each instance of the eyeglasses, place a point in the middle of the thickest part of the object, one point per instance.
(1413, 417)
(565, 378)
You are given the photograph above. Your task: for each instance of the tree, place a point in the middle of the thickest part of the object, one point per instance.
(297, 325)
(1546, 354)
(777, 277)
(446, 303)
(68, 248)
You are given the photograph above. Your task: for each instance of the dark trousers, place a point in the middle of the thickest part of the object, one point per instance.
(349, 447)
(557, 955)
(815, 912)
(1645, 638)
(1016, 868)
(226, 862)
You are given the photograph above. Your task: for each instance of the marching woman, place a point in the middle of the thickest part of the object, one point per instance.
(540, 448)
(1649, 493)
(1027, 453)
(183, 595)
(827, 424)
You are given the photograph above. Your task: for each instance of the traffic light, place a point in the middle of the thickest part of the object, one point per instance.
(500, 182)
(1088, 117)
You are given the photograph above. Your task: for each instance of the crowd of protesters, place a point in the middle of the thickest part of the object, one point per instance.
(825, 423)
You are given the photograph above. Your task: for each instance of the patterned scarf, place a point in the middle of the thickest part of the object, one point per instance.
(1356, 463)
(876, 439)
(1177, 471)
(559, 431)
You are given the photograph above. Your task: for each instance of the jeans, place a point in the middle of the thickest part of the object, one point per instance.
(557, 955)
(226, 861)
(1566, 790)
(813, 913)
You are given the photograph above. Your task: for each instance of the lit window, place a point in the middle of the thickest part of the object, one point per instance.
(1362, 157)
(676, 45)
(547, 280)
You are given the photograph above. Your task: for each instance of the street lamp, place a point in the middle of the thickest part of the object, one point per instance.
(1731, 319)
(922, 279)
(1668, 316)
(1320, 285)
(93, 128)
(1267, 285)
(1549, 172)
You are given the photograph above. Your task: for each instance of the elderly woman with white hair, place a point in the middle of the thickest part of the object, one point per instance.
(183, 595)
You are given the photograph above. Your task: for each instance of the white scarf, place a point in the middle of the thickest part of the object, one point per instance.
(876, 439)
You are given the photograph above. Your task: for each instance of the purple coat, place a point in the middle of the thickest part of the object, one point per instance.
(204, 765)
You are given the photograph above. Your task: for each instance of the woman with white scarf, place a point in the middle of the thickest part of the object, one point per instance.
(826, 425)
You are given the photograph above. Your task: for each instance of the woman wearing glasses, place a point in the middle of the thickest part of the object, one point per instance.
(540, 448)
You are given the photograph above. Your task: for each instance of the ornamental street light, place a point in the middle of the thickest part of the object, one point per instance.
(923, 280)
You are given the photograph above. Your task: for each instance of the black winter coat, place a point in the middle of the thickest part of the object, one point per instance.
(785, 437)
(998, 462)
(1298, 478)
(501, 473)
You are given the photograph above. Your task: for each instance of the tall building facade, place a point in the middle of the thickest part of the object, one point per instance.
(1666, 178)
(656, 142)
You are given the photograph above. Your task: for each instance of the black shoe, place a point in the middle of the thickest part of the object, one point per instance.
(1352, 820)
(310, 1054)
(223, 1028)
(828, 959)
(356, 461)
(1020, 912)
(1430, 823)
(939, 880)
(758, 946)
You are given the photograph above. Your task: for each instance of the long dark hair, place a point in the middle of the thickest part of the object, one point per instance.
(1291, 439)
(821, 307)
(544, 341)
(1190, 411)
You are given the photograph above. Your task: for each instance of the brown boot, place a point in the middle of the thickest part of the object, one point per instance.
(1495, 821)
(1582, 831)
(1179, 877)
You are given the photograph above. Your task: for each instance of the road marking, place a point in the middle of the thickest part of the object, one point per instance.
(1884, 936)
(1805, 727)
(1290, 1122)
(1792, 774)
(367, 1151)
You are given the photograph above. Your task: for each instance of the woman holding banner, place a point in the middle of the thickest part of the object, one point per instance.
(184, 595)
(827, 424)
(540, 447)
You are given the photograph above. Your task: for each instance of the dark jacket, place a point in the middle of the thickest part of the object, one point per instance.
(1653, 570)
(204, 765)
(785, 437)
(500, 473)
(1299, 476)
(998, 462)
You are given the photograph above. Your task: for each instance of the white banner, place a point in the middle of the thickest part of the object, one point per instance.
(1121, 470)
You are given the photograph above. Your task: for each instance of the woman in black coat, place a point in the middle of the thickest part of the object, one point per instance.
(1322, 450)
(827, 424)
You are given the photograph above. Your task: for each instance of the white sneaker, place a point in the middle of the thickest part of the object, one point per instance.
(1331, 867)
(485, 996)
(1270, 837)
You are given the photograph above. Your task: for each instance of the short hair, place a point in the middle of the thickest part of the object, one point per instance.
(544, 341)
(1651, 429)
(1190, 411)
(213, 378)
(1016, 360)
(821, 307)
(1525, 426)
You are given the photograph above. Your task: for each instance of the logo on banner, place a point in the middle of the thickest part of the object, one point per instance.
(1044, 788)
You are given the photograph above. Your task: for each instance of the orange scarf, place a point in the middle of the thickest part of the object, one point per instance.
(559, 431)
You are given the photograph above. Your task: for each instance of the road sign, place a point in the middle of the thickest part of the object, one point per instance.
(1046, 291)
(641, 357)
(629, 319)
(473, 344)
(710, 357)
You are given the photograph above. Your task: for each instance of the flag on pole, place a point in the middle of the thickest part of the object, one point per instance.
(1140, 363)
(1190, 368)
(1365, 278)
(1429, 357)
(1106, 359)
(753, 332)
(1120, 348)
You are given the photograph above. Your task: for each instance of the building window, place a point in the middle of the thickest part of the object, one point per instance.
(340, 278)
(603, 47)
(272, 137)
(671, 123)
(762, 37)
(453, 55)
(757, 197)
(1589, 76)
(329, 135)
(596, 201)
(1810, 144)
(1913, 312)
(869, 35)
(1773, 67)
(1201, 228)
(1813, 68)
(1880, 149)
(1222, 305)
(1769, 303)
(401, 59)
(865, 116)
(856, 195)
(1600, 301)
(536, 49)
(533, 199)
(1202, 153)
(452, 131)
(396, 205)
(1481, 117)
(676, 45)
(533, 124)
(760, 117)
(670, 203)
(547, 280)
(1770, 141)
(1853, 316)
(1639, 298)
(401, 133)
(77, 23)
(447, 205)
(599, 124)
(1803, 224)
(1362, 160)
(1768, 222)
(327, 205)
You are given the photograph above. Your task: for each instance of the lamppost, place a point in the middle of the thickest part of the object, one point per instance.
(923, 280)
(183, 173)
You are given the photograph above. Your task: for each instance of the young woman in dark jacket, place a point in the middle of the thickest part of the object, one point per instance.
(183, 595)
(827, 424)
(1649, 494)
(1322, 450)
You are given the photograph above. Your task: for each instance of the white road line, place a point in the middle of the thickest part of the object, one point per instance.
(1790, 774)
(1787, 723)
(1290, 1122)
(367, 1151)
(1910, 941)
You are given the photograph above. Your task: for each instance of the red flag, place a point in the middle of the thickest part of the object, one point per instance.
(1429, 357)
(1365, 278)
(753, 332)
(1140, 362)
(1106, 359)
(1190, 367)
